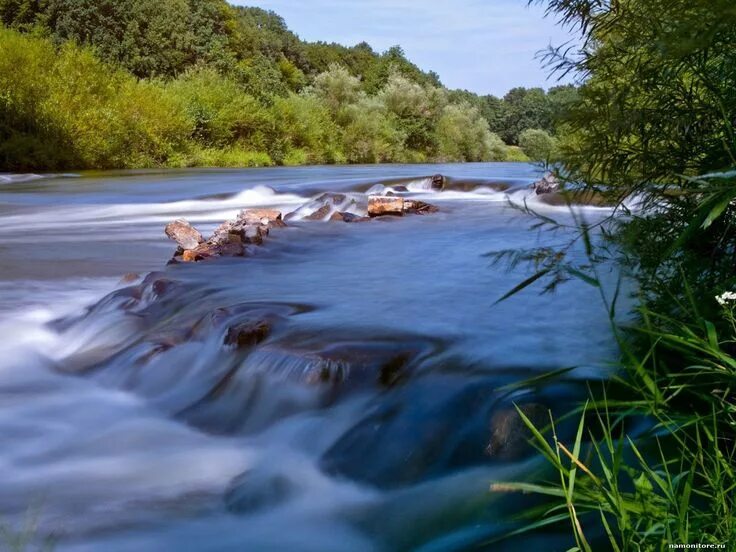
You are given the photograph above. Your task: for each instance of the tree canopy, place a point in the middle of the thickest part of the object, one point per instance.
(230, 74)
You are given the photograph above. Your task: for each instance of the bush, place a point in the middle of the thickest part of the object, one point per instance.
(515, 154)
(463, 135)
(303, 122)
(66, 109)
(538, 145)
(371, 136)
(233, 157)
(220, 113)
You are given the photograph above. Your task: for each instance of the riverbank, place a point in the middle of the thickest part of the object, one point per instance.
(67, 109)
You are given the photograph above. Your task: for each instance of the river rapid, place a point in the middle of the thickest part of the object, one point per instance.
(368, 418)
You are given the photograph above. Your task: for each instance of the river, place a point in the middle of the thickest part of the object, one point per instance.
(362, 421)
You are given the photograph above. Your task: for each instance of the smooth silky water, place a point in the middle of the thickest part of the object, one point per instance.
(362, 422)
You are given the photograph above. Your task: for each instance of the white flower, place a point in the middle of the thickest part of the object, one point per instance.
(726, 297)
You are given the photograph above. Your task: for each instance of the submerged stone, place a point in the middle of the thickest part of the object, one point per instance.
(248, 334)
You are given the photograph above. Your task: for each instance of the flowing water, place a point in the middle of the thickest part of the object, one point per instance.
(370, 418)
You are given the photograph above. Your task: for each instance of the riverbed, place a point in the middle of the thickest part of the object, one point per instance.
(363, 421)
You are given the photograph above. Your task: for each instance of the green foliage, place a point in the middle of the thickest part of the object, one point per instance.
(218, 111)
(370, 135)
(463, 135)
(538, 145)
(523, 109)
(64, 108)
(654, 121)
(516, 154)
(337, 88)
(304, 129)
(145, 83)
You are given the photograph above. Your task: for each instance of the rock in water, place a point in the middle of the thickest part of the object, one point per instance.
(509, 433)
(265, 217)
(378, 206)
(248, 334)
(547, 184)
(320, 213)
(184, 234)
(438, 182)
(211, 250)
(347, 217)
(419, 207)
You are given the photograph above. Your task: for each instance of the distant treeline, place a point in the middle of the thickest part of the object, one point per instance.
(136, 83)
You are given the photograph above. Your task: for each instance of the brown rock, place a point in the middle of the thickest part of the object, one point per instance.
(261, 216)
(352, 217)
(206, 251)
(378, 206)
(332, 197)
(184, 234)
(254, 234)
(248, 334)
(419, 207)
(189, 256)
(238, 232)
(348, 217)
(320, 213)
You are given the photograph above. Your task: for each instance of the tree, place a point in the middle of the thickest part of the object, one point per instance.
(337, 87)
(538, 145)
(463, 135)
(524, 108)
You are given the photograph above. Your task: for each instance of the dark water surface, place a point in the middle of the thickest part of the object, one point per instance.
(362, 421)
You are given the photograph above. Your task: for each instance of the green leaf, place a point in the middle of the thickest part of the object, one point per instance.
(526, 283)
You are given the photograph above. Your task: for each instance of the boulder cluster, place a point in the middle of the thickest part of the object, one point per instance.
(230, 239)
(233, 237)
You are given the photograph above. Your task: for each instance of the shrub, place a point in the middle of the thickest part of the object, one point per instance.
(538, 145)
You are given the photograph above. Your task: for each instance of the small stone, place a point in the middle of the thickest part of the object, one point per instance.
(352, 217)
(254, 234)
(247, 334)
(332, 197)
(184, 234)
(261, 216)
(378, 206)
(320, 213)
(419, 207)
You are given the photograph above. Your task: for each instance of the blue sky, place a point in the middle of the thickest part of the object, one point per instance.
(487, 46)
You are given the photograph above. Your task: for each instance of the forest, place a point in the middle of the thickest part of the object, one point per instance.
(143, 83)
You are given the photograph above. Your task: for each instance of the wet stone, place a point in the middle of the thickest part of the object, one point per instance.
(183, 234)
(247, 334)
